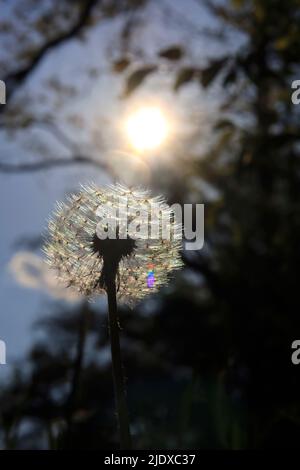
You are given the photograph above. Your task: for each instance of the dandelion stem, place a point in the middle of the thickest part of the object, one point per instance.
(117, 369)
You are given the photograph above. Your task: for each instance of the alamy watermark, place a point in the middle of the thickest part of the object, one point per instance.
(296, 354)
(2, 343)
(152, 221)
(296, 93)
(2, 92)
(2, 352)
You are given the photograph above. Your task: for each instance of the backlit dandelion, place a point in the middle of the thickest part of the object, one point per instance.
(78, 255)
(104, 240)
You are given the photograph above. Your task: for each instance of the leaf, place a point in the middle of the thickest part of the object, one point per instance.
(224, 124)
(121, 64)
(184, 76)
(172, 53)
(136, 78)
(238, 3)
(209, 73)
(260, 12)
(230, 76)
(282, 43)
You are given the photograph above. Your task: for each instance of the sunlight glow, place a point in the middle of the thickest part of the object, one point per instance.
(147, 128)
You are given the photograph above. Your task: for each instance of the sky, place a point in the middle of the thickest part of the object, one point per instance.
(26, 200)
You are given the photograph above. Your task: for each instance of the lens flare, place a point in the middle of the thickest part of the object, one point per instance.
(147, 128)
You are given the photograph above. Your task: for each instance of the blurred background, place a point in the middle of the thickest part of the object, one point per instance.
(192, 99)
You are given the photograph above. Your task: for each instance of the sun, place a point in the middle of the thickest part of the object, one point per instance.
(147, 128)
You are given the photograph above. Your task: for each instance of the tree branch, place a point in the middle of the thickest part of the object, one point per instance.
(16, 79)
(52, 163)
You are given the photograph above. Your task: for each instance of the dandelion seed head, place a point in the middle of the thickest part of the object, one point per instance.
(76, 253)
